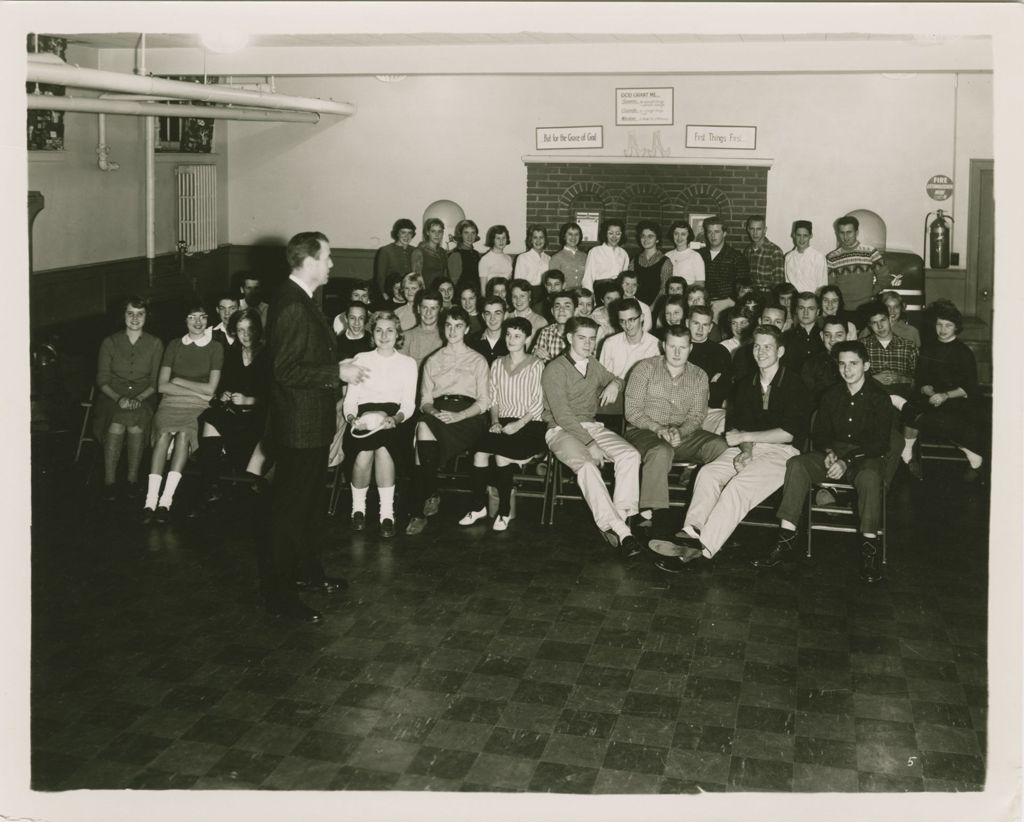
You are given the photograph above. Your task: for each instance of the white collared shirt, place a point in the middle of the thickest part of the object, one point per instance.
(301, 285)
(201, 342)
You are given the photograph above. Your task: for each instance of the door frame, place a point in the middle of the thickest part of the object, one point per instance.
(973, 219)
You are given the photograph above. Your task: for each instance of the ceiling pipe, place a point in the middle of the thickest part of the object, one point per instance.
(95, 105)
(60, 74)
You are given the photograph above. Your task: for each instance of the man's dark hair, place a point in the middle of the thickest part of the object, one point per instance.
(576, 323)
(678, 330)
(874, 308)
(427, 294)
(519, 324)
(848, 220)
(856, 346)
(770, 331)
(302, 245)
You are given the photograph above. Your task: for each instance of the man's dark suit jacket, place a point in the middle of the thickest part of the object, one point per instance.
(304, 369)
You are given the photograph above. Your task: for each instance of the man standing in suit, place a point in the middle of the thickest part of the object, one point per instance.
(306, 378)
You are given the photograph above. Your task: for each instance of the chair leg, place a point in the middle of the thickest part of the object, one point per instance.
(335, 491)
(810, 519)
(885, 527)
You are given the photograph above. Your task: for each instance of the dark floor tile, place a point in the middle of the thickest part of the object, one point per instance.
(334, 667)
(538, 718)
(936, 713)
(643, 704)
(583, 751)
(475, 709)
(516, 626)
(626, 756)
(763, 745)
(666, 663)
(248, 767)
(114, 714)
(378, 754)
(542, 693)
(769, 674)
(772, 720)
(717, 690)
(829, 753)
(463, 736)
(135, 748)
(707, 738)
(756, 774)
(495, 772)
(820, 700)
(193, 697)
(327, 746)
(885, 783)
(351, 778)
(930, 669)
(403, 727)
(441, 762)
(601, 676)
(295, 713)
(516, 742)
(562, 651)
(820, 778)
(502, 665)
(954, 767)
(554, 777)
(219, 730)
(593, 724)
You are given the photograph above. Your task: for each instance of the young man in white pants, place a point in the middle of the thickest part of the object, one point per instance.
(765, 424)
(575, 384)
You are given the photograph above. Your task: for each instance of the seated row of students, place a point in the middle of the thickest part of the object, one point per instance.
(457, 390)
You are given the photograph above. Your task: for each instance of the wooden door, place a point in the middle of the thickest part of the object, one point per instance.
(981, 221)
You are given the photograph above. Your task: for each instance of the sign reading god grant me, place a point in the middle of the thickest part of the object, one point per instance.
(570, 137)
(643, 107)
(743, 137)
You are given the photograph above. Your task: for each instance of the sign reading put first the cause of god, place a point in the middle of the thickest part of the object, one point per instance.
(735, 137)
(644, 107)
(570, 137)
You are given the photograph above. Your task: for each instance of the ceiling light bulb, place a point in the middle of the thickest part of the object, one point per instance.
(226, 42)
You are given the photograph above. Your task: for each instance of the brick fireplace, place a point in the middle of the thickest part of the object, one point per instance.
(663, 190)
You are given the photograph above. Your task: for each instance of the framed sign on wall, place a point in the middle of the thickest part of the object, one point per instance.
(644, 106)
(736, 137)
(570, 137)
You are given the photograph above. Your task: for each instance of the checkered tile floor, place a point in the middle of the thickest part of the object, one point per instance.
(528, 661)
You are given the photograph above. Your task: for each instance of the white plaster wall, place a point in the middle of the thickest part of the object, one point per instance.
(94, 216)
(838, 141)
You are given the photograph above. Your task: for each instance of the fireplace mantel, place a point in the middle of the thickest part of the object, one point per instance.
(611, 159)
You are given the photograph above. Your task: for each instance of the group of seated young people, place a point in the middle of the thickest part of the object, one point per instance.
(205, 391)
(713, 355)
(650, 367)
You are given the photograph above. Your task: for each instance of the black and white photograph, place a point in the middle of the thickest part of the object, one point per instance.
(363, 481)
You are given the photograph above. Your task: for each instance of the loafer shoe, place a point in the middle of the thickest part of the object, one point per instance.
(387, 528)
(629, 547)
(148, 515)
(432, 506)
(473, 517)
(500, 523)
(611, 538)
(416, 526)
(358, 520)
(870, 561)
(163, 514)
(785, 550)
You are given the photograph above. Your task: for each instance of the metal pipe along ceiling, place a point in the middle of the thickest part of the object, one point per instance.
(60, 74)
(95, 105)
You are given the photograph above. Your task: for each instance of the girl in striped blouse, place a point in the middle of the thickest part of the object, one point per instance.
(517, 432)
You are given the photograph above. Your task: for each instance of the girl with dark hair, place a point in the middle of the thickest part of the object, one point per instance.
(429, 258)
(517, 431)
(495, 263)
(652, 268)
(189, 375)
(608, 260)
(532, 263)
(686, 262)
(464, 261)
(453, 403)
(396, 257)
(946, 404)
(236, 418)
(126, 376)
(832, 305)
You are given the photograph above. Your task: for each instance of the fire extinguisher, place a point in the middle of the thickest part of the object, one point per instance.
(938, 239)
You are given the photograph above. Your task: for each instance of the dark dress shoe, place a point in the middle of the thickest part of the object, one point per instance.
(148, 516)
(163, 514)
(110, 493)
(638, 521)
(678, 565)
(358, 520)
(972, 475)
(915, 469)
(416, 526)
(870, 561)
(611, 538)
(387, 528)
(295, 610)
(432, 505)
(629, 547)
(785, 550)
